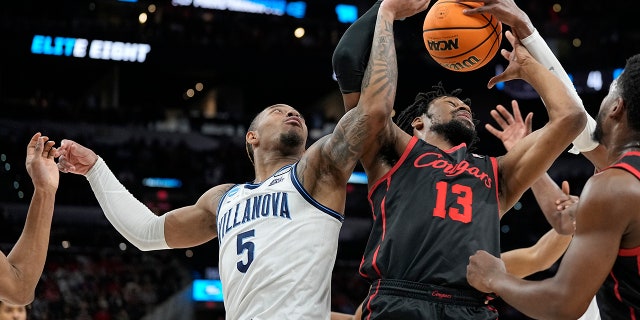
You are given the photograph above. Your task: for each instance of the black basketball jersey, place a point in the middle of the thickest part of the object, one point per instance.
(432, 211)
(619, 296)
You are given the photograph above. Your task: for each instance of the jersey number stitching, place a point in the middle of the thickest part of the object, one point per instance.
(243, 246)
(464, 199)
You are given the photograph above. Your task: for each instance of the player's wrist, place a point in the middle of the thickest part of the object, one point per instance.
(95, 166)
(524, 28)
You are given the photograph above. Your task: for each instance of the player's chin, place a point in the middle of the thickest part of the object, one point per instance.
(467, 122)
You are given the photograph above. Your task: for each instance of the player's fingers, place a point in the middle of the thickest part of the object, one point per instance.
(528, 122)
(40, 145)
(506, 54)
(516, 109)
(43, 146)
(492, 130)
(565, 187)
(497, 116)
(33, 141)
(508, 117)
(511, 37)
(49, 150)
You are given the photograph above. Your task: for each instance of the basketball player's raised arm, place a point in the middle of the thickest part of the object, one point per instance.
(183, 227)
(555, 203)
(585, 265)
(510, 14)
(21, 269)
(521, 166)
(357, 131)
(351, 56)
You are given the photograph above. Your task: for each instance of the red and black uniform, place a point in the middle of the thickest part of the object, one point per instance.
(432, 211)
(619, 296)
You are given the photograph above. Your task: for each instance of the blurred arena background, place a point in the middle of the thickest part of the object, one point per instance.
(164, 91)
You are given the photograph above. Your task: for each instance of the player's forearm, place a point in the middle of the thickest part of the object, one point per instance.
(543, 54)
(539, 49)
(566, 113)
(131, 218)
(549, 248)
(541, 256)
(29, 254)
(536, 299)
(380, 78)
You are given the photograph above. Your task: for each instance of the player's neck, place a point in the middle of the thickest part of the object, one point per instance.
(438, 141)
(630, 146)
(265, 169)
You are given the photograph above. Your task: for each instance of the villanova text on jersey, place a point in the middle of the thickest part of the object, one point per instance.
(273, 205)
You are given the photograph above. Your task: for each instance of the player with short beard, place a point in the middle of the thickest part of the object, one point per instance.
(434, 201)
(278, 234)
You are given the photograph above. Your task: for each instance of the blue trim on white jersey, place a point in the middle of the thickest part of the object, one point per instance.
(311, 200)
(251, 185)
(224, 196)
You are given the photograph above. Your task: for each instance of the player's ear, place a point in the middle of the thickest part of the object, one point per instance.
(618, 109)
(252, 137)
(417, 123)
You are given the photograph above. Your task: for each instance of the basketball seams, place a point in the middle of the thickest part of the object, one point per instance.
(493, 34)
(445, 40)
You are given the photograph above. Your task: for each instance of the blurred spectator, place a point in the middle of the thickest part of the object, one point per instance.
(11, 312)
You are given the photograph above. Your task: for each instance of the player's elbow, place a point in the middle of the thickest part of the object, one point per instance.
(379, 115)
(565, 307)
(573, 121)
(343, 58)
(563, 312)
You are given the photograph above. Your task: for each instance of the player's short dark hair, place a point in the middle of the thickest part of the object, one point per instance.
(629, 87)
(421, 105)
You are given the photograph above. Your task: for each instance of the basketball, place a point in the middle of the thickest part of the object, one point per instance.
(460, 42)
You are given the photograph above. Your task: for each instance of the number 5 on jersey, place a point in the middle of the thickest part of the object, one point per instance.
(244, 244)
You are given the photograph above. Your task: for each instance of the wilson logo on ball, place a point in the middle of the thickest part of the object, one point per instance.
(465, 65)
(457, 41)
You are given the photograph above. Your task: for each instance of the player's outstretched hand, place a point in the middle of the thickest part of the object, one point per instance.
(519, 58)
(75, 158)
(41, 164)
(512, 127)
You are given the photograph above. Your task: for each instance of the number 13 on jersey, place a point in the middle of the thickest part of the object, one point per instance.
(464, 199)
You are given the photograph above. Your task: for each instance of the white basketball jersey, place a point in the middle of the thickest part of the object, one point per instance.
(277, 250)
(592, 313)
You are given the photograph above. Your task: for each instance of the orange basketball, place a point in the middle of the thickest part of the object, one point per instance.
(460, 42)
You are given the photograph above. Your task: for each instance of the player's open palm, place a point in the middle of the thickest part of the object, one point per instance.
(518, 58)
(75, 158)
(40, 162)
(512, 127)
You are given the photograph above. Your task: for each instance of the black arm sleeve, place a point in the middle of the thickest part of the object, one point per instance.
(351, 55)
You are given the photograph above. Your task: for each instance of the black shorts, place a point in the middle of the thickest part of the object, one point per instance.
(398, 299)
